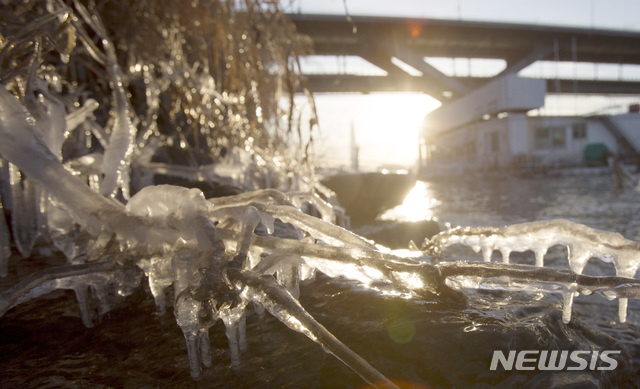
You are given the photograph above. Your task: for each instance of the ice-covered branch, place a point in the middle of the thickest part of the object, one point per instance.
(284, 307)
(329, 233)
(539, 280)
(355, 263)
(22, 145)
(582, 243)
(609, 287)
(36, 284)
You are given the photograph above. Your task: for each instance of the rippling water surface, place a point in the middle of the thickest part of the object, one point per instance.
(419, 343)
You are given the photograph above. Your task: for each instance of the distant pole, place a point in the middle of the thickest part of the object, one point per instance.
(354, 149)
(574, 56)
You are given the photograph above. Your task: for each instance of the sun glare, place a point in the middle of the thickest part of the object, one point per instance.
(386, 128)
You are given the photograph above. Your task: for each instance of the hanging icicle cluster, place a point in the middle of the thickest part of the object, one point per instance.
(190, 84)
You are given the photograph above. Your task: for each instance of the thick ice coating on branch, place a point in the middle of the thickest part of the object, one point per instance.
(200, 247)
(582, 243)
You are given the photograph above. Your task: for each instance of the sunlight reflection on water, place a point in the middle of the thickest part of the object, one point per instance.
(418, 205)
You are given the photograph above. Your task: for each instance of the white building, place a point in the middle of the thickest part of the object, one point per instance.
(489, 128)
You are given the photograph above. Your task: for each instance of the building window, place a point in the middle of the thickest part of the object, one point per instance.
(557, 138)
(492, 143)
(495, 145)
(579, 131)
(542, 138)
(550, 138)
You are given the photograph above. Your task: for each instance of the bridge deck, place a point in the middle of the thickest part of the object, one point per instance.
(378, 39)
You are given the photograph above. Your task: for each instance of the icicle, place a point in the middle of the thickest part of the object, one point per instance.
(160, 278)
(622, 309)
(5, 241)
(486, 253)
(234, 322)
(25, 212)
(82, 295)
(101, 294)
(626, 264)
(289, 278)
(568, 293)
(205, 347)
(578, 258)
(250, 221)
(186, 311)
(194, 353)
(505, 254)
(539, 253)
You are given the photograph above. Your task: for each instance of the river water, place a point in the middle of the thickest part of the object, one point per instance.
(418, 343)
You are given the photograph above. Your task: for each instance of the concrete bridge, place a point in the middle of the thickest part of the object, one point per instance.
(379, 39)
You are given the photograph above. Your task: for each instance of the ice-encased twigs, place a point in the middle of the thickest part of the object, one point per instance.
(23, 146)
(62, 277)
(49, 113)
(582, 243)
(80, 115)
(117, 155)
(325, 209)
(497, 276)
(329, 233)
(275, 197)
(359, 264)
(279, 302)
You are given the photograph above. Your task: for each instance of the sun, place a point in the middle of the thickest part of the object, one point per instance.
(386, 126)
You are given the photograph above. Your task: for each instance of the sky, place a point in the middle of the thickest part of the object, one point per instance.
(386, 124)
(609, 14)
